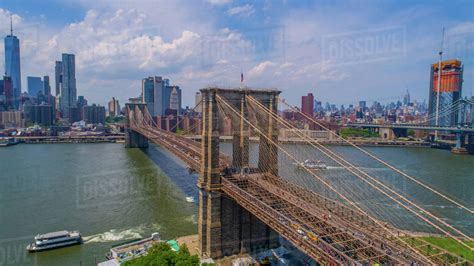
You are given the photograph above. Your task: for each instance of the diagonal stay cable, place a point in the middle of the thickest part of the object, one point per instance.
(219, 99)
(311, 142)
(383, 162)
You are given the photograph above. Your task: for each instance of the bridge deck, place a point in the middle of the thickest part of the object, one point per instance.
(318, 229)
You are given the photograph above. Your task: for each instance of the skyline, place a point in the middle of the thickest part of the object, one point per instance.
(117, 45)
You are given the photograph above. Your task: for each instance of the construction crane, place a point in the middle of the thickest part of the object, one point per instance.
(439, 84)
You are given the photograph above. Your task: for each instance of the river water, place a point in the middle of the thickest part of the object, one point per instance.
(109, 193)
(112, 194)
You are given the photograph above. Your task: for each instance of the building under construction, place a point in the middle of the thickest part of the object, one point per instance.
(449, 92)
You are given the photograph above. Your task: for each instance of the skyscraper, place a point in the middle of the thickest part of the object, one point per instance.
(449, 92)
(160, 96)
(58, 75)
(12, 65)
(81, 101)
(148, 93)
(35, 86)
(46, 86)
(93, 114)
(307, 104)
(198, 102)
(42, 114)
(114, 107)
(8, 92)
(172, 100)
(406, 99)
(68, 98)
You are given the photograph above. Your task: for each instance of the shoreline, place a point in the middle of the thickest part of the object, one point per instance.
(71, 141)
(365, 143)
(192, 243)
(418, 234)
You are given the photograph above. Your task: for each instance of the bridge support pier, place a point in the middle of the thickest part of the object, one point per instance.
(459, 148)
(400, 132)
(209, 182)
(135, 140)
(210, 224)
(470, 143)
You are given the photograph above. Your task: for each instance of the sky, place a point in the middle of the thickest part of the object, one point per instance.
(341, 51)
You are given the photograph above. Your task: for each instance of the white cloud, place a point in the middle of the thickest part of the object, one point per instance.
(462, 28)
(113, 51)
(119, 41)
(321, 71)
(120, 48)
(244, 11)
(116, 46)
(5, 16)
(218, 2)
(259, 69)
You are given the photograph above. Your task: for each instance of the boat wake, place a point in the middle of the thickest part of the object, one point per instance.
(120, 235)
(361, 168)
(191, 219)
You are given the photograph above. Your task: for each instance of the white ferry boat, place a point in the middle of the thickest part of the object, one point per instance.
(8, 142)
(55, 240)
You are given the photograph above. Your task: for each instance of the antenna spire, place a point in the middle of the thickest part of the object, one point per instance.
(442, 42)
(11, 25)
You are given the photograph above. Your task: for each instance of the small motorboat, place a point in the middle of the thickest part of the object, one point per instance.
(312, 165)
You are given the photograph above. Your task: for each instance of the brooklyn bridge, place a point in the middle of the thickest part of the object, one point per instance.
(338, 209)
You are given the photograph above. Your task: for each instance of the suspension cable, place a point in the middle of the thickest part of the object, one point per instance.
(382, 162)
(220, 100)
(373, 179)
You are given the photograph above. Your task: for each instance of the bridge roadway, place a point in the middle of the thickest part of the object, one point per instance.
(326, 230)
(411, 126)
(186, 149)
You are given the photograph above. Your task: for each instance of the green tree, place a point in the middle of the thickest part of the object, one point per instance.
(357, 132)
(162, 254)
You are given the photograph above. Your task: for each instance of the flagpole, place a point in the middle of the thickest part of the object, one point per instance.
(241, 78)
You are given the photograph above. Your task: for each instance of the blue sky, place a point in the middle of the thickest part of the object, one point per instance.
(341, 51)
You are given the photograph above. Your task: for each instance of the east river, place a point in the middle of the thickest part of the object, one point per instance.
(112, 194)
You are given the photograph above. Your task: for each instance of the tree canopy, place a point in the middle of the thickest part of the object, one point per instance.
(357, 132)
(162, 254)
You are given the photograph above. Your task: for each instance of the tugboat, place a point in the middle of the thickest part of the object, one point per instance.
(312, 165)
(54, 240)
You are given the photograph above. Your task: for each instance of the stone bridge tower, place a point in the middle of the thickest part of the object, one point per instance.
(134, 139)
(225, 228)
